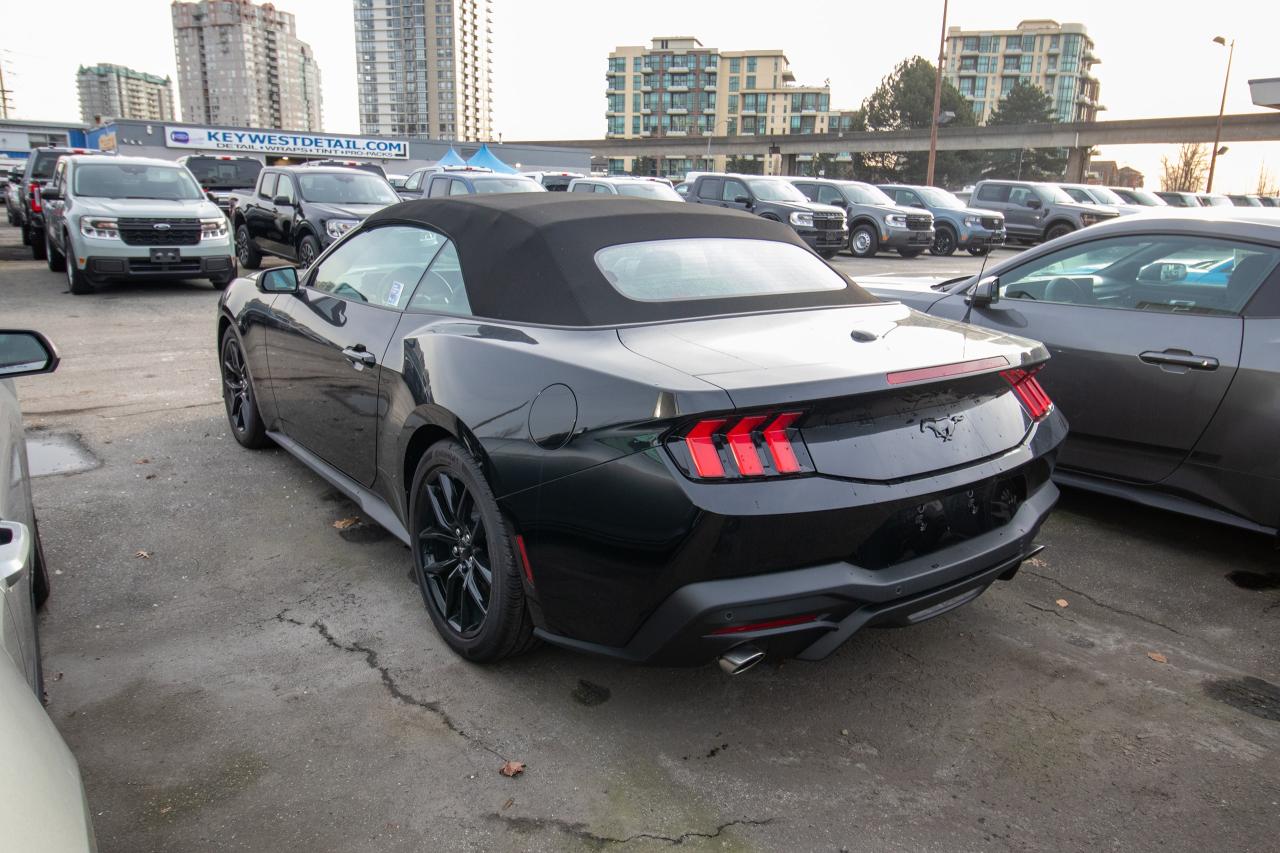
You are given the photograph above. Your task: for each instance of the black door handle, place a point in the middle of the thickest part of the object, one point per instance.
(359, 357)
(1180, 358)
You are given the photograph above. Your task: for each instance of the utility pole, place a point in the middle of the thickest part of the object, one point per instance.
(4, 93)
(1217, 136)
(937, 98)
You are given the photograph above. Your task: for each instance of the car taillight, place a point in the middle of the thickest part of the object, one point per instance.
(764, 444)
(1029, 391)
(33, 192)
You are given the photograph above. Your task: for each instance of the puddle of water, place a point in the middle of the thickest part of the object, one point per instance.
(58, 454)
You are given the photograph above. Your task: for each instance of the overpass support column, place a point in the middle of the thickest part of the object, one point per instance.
(788, 164)
(1077, 164)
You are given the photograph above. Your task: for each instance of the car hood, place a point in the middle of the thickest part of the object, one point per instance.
(977, 211)
(805, 206)
(901, 208)
(1076, 207)
(328, 210)
(193, 208)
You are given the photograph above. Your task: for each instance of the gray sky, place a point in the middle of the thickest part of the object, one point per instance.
(550, 55)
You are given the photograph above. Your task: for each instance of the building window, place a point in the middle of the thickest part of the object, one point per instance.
(988, 44)
(751, 63)
(734, 65)
(751, 81)
(733, 84)
(637, 63)
(732, 127)
(970, 44)
(733, 105)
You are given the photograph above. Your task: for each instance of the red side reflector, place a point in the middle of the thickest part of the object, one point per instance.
(775, 436)
(524, 558)
(744, 446)
(764, 626)
(706, 460)
(943, 370)
(1029, 390)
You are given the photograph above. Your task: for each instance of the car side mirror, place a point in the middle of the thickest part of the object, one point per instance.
(1033, 203)
(985, 292)
(26, 353)
(743, 199)
(1165, 272)
(50, 193)
(278, 280)
(282, 200)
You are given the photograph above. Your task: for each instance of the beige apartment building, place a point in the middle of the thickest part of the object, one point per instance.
(242, 64)
(424, 68)
(112, 91)
(677, 87)
(1059, 58)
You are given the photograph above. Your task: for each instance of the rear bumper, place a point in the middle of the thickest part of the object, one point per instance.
(841, 597)
(141, 266)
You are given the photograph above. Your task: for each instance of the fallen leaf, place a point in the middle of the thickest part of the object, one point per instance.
(1062, 602)
(150, 476)
(344, 523)
(512, 768)
(143, 555)
(1037, 562)
(1157, 657)
(142, 461)
(508, 803)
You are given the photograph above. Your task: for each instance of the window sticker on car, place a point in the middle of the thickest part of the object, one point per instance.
(393, 296)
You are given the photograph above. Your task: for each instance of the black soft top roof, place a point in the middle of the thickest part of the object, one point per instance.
(530, 257)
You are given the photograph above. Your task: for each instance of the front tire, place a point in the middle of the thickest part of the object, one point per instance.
(979, 251)
(56, 260)
(944, 242)
(863, 241)
(308, 251)
(1057, 231)
(463, 558)
(237, 395)
(77, 279)
(250, 258)
(37, 245)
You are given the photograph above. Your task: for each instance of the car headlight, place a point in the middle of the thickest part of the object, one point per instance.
(335, 228)
(1091, 218)
(972, 221)
(897, 220)
(212, 229)
(97, 226)
(802, 219)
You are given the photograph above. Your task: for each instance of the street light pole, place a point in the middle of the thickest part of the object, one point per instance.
(937, 98)
(1217, 136)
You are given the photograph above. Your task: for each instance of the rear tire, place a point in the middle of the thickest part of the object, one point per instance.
(944, 242)
(1057, 231)
(26, 236)
(250, 258)
(237, 394)
(56, 260)
(37, 246)
(863, 241)
(459, 534)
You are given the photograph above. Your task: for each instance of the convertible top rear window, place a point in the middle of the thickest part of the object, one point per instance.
(713, 268)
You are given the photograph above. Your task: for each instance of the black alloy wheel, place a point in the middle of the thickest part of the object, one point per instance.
(979, 251)
(237, 394)
(1057, 231)
(464, 558)
(944, 242)
(308, 250)
(249, 257)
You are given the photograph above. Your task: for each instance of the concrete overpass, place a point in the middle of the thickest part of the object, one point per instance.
(1078, 137)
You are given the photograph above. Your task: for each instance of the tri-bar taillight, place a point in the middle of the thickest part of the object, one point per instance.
(732, 447)
(33, 190)
(1029, 391)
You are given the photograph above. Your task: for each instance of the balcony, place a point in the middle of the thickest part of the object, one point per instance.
(710, 87)
(677, 133)
(678, 111)
(609, 91)
(677, 88)
(709, 111)
(646, 88)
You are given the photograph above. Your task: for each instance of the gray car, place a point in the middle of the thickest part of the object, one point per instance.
(1099, 195)
(1163, 331)
(42, 802)
(875, 221)
(955, 226)
(1035, 211)
(1139, 196)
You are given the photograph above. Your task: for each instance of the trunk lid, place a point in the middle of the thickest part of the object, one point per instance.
(835, 364)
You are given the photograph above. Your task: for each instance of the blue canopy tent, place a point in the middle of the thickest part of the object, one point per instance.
(452, 158)
(484, 158)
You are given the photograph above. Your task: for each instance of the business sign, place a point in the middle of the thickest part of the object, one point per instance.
(280, 142)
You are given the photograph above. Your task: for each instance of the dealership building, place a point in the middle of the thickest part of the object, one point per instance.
(171, 140)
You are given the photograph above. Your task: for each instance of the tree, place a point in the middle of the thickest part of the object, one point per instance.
(739, 165)
(1025, 104)
(1186, 173)
(904, 101)
(645, 166)
(1266, 182)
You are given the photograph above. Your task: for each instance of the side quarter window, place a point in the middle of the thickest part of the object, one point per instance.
(379, 267)
(442, 290)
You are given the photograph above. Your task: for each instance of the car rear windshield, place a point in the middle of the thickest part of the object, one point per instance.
(556, 183)
(713, 268)
(513, 184)
(45, 163)
(354, 187)
(129, 180)
(216, 174)
(648, 189)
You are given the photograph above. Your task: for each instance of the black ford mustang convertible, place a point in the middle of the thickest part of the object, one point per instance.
(663, 433)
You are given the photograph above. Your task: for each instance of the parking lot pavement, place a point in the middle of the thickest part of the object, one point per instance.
(235, 673)
(892, 264)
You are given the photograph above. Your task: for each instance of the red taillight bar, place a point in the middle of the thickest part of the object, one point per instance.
(943, 370)
(775, 436)
(764, 626)
(743, 446)
(34, 192)
(702, 449)
(746, 438)
(1029, 390)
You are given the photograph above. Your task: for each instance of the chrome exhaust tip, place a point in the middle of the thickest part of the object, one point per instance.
(739, 659)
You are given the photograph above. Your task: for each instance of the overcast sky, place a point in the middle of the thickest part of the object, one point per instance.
(550, 55)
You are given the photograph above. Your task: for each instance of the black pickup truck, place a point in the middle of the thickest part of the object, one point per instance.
(221, 175)
(296, 211)
(822, 226)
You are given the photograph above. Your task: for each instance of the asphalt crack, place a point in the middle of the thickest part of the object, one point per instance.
(1094, 601)
(389, 682)
(600, 842)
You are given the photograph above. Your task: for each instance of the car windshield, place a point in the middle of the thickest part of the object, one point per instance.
(1141, 196)
(713, 268)
(557, 183)
(513, 184)
(866, 194)
(353, 187)
(935, 197)
(128, 180)
(1105, 196)
(1215, 201)
(649, 189)
(1053, 195)
(216, 174)
(776, 191)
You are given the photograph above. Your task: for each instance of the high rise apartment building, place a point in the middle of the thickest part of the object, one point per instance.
(112, 91)
(986, 64)
(424, 68)
(242, 64)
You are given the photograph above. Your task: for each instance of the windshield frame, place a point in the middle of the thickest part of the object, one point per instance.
(1053, 194)
(184, 178)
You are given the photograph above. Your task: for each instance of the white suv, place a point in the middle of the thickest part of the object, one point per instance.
(133, 217)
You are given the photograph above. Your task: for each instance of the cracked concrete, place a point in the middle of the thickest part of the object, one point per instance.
(262, 684)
